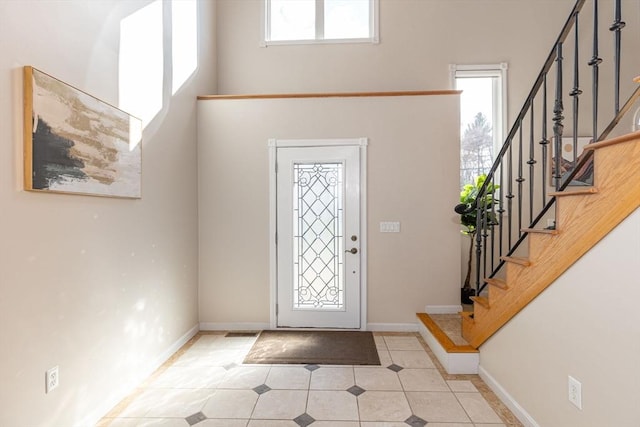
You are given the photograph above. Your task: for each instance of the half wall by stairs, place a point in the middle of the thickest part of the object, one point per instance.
(583, 217)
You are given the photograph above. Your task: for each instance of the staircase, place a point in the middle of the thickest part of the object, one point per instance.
(531, 181)
(583, 217)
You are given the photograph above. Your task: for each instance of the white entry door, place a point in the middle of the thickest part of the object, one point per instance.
(318, 237)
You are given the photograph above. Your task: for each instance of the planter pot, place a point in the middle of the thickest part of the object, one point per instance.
(466, 294)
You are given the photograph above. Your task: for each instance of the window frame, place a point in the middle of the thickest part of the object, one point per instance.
(265, 30)
(499, 94)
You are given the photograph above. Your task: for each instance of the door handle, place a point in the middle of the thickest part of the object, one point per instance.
(352, 250)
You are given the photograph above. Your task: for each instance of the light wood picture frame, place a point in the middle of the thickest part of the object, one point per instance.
(77, 144)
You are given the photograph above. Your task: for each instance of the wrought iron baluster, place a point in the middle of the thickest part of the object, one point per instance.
(617, 27)
(558, 109)
(493, 225)
(501, 209)
(479, 209)
(520, 179)
(575, 93)
(531, 162)
(510, 192)
(544, 142)
(595, 71)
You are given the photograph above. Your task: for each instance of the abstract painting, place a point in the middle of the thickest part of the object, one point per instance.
(75, 143)
(585, 174)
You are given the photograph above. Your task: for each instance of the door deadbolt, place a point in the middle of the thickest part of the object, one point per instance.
(352, 250)
(354, 238)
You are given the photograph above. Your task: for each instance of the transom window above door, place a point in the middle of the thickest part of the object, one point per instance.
(320, 21)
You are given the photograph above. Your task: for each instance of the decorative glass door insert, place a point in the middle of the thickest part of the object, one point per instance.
(318, 229)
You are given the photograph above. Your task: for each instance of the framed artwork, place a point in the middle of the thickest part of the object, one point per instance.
(584, 176)
(74, 143)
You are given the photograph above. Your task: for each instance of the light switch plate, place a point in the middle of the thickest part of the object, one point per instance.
(390, 227)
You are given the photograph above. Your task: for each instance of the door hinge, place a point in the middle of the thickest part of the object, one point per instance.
(277, 310)
(276, 166)
(276, 237)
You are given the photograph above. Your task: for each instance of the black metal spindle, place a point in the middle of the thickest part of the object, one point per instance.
(510, 192)
(493, 225)
(595, 71)
(575, 93)
(617, 27)
(520, 179)
(531, 162)
(558, 109)
(501, 209)
(479, 220)
(544, 142)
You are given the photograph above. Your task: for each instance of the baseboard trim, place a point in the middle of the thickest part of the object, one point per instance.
(237, 326)
(517, 410)
(392, 327)
(144, 373)
(443, 309)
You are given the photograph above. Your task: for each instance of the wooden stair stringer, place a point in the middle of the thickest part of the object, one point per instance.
(585, 220)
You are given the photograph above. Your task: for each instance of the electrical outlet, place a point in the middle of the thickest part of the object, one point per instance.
(52, 379)
(575, 392)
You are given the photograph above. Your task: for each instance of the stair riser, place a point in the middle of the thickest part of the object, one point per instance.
(538, 243)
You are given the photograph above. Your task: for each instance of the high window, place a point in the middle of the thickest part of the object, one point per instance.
(482, 116)
(324, 21)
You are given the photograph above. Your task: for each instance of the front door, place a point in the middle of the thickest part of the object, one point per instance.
(318, 237)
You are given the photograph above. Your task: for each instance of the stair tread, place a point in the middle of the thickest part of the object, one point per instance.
(516, 260)
(482, 301)
(541, 231)
(498, 283)
(585, 190)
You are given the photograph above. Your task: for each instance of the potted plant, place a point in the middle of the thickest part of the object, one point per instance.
(468, 210)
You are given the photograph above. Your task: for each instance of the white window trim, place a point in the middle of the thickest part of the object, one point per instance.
(374, 26)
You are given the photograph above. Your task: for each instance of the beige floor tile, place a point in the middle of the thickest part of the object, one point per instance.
(207, 342)
(338, 424)
(189, 377)
(149, 422)
(477, 408)
(382, 424)
(210, 358)
(437, 406)
(402, 343)
(328, 378)
(489, 425)
(179, 403)
(222, 423)
(270, 423)
(450, 425)
(422, 380)
(377, 379)
(231, 404)
(288, 378)
(385, 357)
(328, 405)
(462, 386)
(383, 406)
(245, 377)
(280, 405)
(412, 359)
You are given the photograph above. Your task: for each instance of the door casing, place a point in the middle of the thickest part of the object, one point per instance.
(273, 144)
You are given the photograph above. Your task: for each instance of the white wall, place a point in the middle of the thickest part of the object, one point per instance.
(101, 287)
(412, 142)
(583, 325)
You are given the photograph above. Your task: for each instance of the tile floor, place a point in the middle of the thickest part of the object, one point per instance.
(205, 384)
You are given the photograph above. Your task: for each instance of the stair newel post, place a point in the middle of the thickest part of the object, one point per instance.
(520, 179)
(532, 161)
(558, 127)
(500, 206)
(617, 27)
(575, 94)
(544, 142)
(594, 63)
(478, 236)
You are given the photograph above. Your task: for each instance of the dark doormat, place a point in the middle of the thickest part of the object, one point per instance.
(314, 347)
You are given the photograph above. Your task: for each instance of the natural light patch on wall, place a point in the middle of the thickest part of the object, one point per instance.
(184, 41)
(141, 62)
